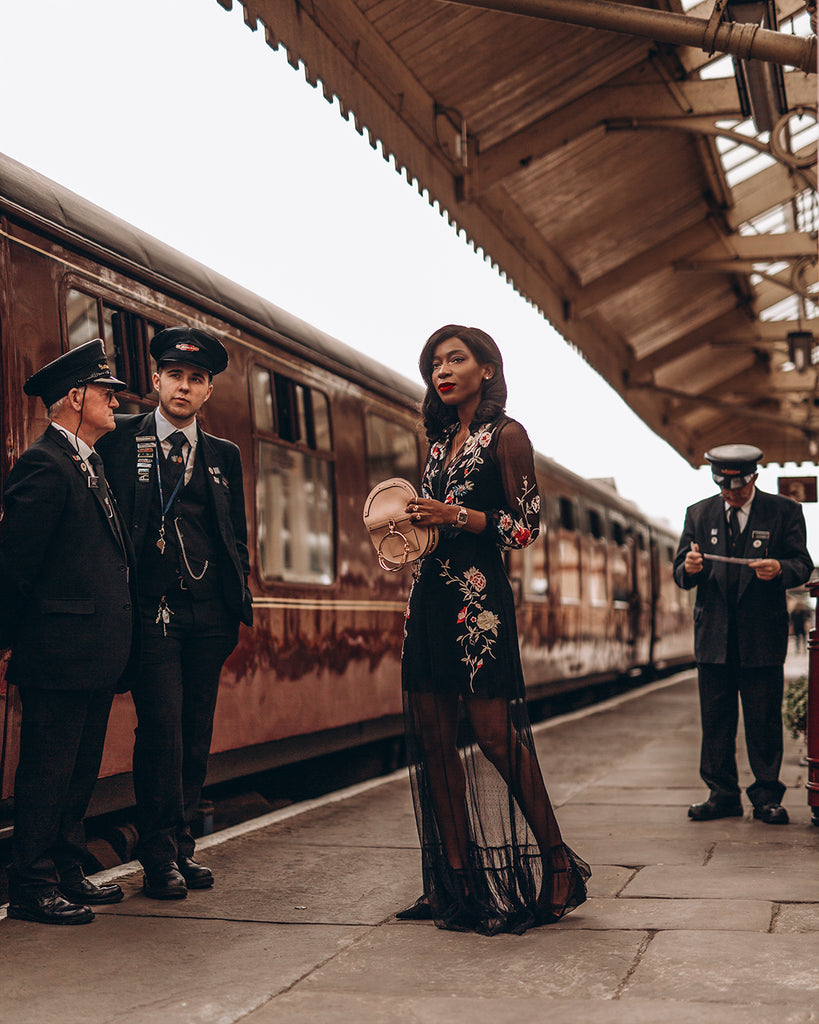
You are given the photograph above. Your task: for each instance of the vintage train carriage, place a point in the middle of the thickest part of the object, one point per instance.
(317, 425)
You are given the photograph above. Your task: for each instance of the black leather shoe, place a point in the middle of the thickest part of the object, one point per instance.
(712, 809)
(772, 814)
(196, 876)
(48, 907)
(164, 883)
(86, 891)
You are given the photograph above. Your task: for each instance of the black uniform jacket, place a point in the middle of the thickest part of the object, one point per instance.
(129, 454)
(66, 575)
(775, 529)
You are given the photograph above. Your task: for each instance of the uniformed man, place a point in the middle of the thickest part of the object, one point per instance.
(66, 611)
(742, 549)
(182, 496)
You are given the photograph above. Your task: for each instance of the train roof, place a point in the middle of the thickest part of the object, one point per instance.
(59, 207)
(62, 212)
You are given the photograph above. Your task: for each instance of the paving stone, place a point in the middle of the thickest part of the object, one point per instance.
(298, 1007)
(407, 959)
(268, 877)
(727, 882)
(170, 971)
(780, 971)
(674, 915)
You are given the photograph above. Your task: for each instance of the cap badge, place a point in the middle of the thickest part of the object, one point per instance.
(184, 347)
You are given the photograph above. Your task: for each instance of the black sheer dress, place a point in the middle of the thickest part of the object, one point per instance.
(493, 858)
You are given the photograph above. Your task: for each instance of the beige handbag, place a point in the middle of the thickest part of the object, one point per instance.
(396, 538)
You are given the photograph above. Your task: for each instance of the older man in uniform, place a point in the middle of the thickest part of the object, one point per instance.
(66, 611)
(742, 549)
(182, 496)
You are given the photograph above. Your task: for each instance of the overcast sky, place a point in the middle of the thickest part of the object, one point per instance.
(173, 115)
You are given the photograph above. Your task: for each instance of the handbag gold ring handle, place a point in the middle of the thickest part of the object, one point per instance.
(382, 561)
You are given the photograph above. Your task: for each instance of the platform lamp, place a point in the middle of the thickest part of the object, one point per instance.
(800, 349)
(761, 85)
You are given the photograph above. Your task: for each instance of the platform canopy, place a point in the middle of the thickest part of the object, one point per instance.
(645, 174)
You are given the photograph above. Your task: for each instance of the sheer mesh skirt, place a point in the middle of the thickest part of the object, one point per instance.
(493, 859)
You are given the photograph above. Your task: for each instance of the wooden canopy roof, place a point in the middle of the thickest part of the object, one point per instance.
(656, 201)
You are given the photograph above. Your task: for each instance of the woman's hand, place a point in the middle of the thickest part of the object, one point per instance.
(429, 512)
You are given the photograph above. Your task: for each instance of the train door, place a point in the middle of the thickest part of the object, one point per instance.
(9, 702)
(640, 605)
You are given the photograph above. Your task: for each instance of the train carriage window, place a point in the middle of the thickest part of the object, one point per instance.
(595, 576)
(126, 335)
(620, 565)
(294, 488)
(392, 450)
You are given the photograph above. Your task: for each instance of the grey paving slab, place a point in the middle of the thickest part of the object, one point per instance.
(779, 971)
(404, 960)
(665, 822)
(719, 883)
(139, 970)
(378, 816)
(637, 796)
(673, 915)
(299, 1007)
(797, 918)
(609, 879)
(792, 851)
(267, 877)
(637, 851)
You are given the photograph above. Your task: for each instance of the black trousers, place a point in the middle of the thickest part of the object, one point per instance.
(760, 690)
(62, 734)
(175, 699)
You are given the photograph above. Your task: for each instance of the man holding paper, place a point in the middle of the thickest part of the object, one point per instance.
(742, 549)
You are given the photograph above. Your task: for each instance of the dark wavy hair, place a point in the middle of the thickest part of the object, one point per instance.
(437, 416)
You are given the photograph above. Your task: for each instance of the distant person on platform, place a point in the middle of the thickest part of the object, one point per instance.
(800, 617)
(67, 613)
(742, 549)
(182, 496)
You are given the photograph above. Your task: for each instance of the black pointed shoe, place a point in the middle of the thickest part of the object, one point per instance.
(772, 814)
(164, 883)
(48, 907)
(712, 809)
(196, 876)
(83, 890)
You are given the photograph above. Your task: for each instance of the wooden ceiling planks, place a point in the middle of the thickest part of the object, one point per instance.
(594, 178)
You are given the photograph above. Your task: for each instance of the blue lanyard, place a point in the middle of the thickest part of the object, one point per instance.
(179, 482)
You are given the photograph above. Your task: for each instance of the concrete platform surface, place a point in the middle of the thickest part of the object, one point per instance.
(687, 922)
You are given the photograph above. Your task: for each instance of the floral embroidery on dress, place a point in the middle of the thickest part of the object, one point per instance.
(517, 533)
(480, 624)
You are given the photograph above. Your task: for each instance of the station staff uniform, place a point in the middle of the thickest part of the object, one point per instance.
(66, 611)
(741, 627)
(182, 496)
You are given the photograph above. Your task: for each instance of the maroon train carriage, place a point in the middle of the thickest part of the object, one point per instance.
(317, 424)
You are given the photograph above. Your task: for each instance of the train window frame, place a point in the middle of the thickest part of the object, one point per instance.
(126, 332)
(375, 474)
(289, 445)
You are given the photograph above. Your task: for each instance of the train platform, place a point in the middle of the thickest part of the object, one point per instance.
(706, 922)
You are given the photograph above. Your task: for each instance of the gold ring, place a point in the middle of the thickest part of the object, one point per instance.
(414, 508)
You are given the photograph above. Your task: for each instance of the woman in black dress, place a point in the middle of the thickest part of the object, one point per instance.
(493, 859)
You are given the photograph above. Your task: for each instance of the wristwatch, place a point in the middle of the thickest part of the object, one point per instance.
(462, 518)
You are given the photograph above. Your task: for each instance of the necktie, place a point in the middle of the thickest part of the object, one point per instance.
(99, 472)
(733, 528)
(175, 460)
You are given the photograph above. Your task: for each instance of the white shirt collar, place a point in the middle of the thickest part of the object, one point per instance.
(77, 443)
(164, 428)
(744, 510)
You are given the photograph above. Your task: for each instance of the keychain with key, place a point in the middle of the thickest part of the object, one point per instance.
(163, 614)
